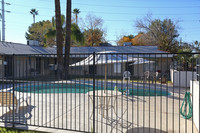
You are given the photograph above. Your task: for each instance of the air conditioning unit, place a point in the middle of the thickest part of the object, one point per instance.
(33, 42)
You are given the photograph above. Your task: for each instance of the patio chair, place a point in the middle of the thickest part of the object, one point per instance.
(104, 103)
(6, 100)
(126, 75)
(146, 76)
(119, 117)
(150, 76)
(155, 75)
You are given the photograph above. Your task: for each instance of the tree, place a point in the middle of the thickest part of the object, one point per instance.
(135, 40)
(197, 44)
(93, 37)
(76, 34)
(76, 11)
(128, 38)
(37, 31)
(123, 39)
(94, 33)
(77, 37)
(50, 36)
(68, 38)
(59, 39)
(34, 12)
(185, 59)
(162, 33)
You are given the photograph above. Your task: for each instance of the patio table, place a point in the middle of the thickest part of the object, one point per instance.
(104, 98)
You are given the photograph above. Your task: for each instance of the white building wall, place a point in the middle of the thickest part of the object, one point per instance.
(182, 78)
(194, 90)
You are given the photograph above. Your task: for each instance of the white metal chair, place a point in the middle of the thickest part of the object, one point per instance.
(6, 100)
(126, 75)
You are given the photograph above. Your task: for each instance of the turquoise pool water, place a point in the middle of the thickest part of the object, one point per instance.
(81, 88)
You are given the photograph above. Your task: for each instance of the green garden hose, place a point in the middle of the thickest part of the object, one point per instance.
(186, 102)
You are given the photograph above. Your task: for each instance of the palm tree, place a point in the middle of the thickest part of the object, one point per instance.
(76, 11)
(34, 12)
(67, 38)
(59, 39)
(76, 34)
(51, 33)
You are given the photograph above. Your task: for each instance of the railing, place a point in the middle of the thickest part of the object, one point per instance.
(97, 96)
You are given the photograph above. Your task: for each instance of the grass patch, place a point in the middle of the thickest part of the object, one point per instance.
(11, 130)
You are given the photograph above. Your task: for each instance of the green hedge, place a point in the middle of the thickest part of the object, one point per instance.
(11, 130)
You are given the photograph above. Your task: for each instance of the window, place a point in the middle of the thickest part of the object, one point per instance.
(46, 63)
(117, 68)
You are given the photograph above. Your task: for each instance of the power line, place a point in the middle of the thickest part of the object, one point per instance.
(140, 1)
(143, 14)
(29, 14)
(116, 12)
(31, 6)
(131, 6)
(124, 13)
(137, 6)
(114, 6)
(132, 14)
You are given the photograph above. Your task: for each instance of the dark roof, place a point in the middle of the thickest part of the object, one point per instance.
(15, 48)
(119, 49)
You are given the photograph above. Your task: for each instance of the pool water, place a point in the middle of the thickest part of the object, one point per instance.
(146, 92)
(81, 88)
(55, 88)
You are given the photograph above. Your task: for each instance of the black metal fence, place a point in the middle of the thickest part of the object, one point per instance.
(104, 92)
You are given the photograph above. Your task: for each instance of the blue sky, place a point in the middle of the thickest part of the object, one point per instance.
(119, 16)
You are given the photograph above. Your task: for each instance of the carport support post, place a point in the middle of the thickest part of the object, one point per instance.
(13, 71)
(93, 74)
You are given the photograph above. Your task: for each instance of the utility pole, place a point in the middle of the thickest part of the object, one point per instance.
(3, 21)
(3, 18)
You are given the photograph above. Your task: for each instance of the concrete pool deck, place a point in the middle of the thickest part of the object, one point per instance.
(72, 111)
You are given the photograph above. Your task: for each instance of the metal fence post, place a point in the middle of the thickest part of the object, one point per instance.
(93, 74)
(13, 69)
(199, 100)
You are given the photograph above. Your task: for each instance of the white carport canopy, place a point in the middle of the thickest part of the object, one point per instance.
(108, 57)
(142, 61)
(105, 57)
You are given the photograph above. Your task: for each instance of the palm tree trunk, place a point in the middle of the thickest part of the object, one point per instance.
(76, 18)
(34, 19)
(67, 38)
(59, 39)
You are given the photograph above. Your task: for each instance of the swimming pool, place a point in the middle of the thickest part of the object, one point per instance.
(84, 88)
(146, 92)
(55, 88)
